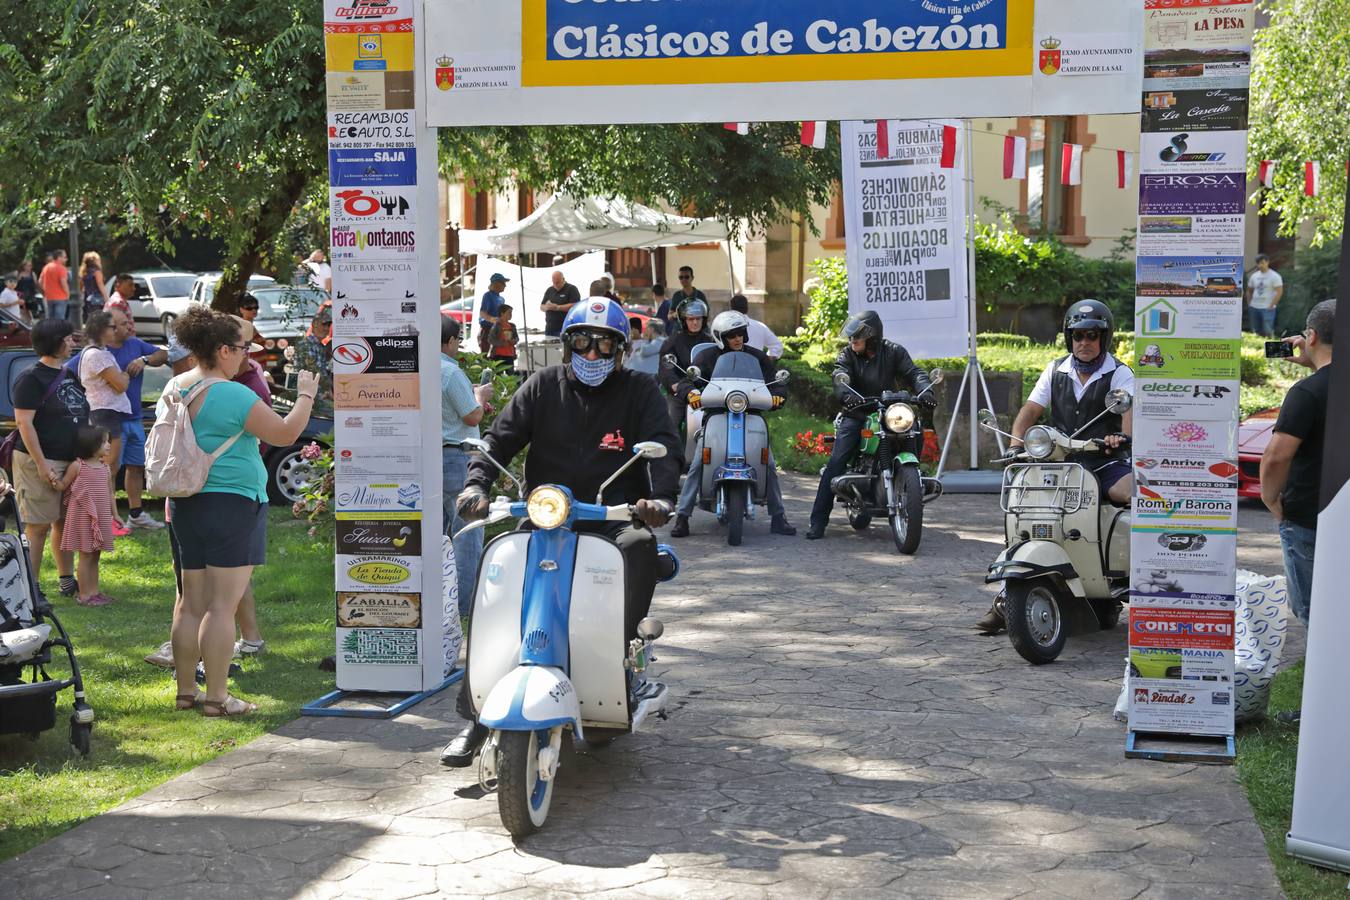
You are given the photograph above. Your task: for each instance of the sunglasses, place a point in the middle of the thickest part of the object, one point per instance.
(253, 306)
(582, 342)
(1087, 336)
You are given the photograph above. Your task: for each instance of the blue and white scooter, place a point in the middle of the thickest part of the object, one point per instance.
(547, 649)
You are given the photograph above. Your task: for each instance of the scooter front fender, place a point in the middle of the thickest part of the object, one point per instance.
(532, 698)
(1036, 559)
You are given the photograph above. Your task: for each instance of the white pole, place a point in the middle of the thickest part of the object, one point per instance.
(974, 363)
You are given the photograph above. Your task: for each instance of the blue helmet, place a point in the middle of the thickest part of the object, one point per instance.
(598, 313)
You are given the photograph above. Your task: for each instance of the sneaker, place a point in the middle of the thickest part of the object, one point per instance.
(119, 529)
(244, 648)
(69, 586)
(143, 519)
(163, 657)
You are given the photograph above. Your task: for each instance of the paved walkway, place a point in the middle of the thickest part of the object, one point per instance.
(845, 737)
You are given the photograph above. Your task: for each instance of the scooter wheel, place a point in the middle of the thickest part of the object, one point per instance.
(1035, 621)
(737, 497)
(523, 798)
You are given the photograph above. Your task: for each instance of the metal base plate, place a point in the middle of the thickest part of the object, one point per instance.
(1181, 747)
(373, 704)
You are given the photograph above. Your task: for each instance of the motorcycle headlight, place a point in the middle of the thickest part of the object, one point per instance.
(737, 402)
(547, 507)
(899, 417)
(1039, 442)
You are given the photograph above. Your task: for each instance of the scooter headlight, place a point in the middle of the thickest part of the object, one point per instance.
(737, 402)
(547, 507)
(1039, 442)
(899, 417)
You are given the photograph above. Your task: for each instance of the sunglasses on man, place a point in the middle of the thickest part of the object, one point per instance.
(582, 342)
(1087, 336)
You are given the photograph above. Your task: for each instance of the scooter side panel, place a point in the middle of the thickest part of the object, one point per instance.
(596, 632)
(715, 440)
(494, 634)
(756, 439)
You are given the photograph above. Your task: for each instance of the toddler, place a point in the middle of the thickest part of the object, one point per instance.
(88, 504)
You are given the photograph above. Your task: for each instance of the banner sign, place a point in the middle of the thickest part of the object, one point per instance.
(526, 62)
(385, 379)
(1188, 320)
(906, 236)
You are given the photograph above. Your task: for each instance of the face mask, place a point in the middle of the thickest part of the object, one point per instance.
(591, 372)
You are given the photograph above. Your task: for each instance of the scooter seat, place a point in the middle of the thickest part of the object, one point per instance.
(24, 644)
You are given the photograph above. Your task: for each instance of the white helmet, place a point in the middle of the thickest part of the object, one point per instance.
(727, 324)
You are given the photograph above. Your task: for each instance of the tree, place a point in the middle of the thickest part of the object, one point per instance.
(210, 114)
(1301, 110)
(160, 116)
(756, 179)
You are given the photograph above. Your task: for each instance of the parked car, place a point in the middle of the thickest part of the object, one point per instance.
(284, 316)
(161, 295)
(287, 471)
(1253, 436)
(14, 332)
(204, 288)
(460, 310)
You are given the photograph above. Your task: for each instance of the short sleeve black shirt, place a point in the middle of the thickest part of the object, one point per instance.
(553, 319)
(1304, 415)
(55, 420)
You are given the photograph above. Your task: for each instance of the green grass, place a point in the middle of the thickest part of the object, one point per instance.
(1266, 758)
(139, 740)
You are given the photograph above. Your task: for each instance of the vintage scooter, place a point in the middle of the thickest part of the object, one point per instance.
(733, 439)
(883, 478)
(1067, 560)
(547, 649)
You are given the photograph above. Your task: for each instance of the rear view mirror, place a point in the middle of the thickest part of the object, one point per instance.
(1119, 402)
(650, 449)
(468, 445)
(694, 372)
(987, 417)
(842, 378)
(782, 376)
(937, 376)
(670, 360)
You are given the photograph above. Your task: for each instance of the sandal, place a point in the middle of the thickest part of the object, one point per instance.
(94, 600)
(229, 708)
(184, 702)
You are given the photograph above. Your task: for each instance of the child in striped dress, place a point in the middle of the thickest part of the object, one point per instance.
(88, 504)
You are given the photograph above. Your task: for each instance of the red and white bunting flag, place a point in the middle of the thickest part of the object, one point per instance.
(738, 127)
(1124, 168)
(1266, 173)
(1312, 178)
(1014, 157)
(948, 160)
(813, 135)
(883, 138)
(1071, 164)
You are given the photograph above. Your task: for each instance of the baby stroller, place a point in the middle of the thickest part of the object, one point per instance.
(29, 707)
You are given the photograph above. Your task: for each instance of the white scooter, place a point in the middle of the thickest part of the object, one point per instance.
(547, 649)
(1067, 560)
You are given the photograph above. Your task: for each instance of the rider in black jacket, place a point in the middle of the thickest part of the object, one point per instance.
(690, 330)
(874, 366)
(580, 422)
(730, 331)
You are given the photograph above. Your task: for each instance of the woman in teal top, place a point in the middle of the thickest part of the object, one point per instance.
(219, 534)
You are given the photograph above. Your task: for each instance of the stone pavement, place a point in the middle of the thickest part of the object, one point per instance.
(838, 730)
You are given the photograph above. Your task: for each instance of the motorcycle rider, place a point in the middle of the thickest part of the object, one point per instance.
(730, 331)
(580, 421)
(1074, 388)
(691, 317)
(874, 365)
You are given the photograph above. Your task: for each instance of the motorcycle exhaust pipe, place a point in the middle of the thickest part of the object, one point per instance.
(849, 486)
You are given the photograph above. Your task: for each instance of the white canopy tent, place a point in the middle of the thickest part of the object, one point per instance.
(566, 224)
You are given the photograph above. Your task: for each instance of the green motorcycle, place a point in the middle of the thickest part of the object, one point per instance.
(883, 478)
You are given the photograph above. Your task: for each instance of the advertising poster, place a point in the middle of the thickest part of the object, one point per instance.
(372, 168)
(566, 62)
(1188, 317)
(1206, 109)
(906, 244)
(378, 659)
(368, 429)
(1188, 320)
(355, 318)
(373, 128)
(361, 536)
(374, 392)
(386, 355)
(378, 573)
(378, 497)
(364, 609)
(367, 207)
(352, 461)
(369, 91)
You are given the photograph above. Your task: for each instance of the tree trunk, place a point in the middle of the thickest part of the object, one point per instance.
(272, 216)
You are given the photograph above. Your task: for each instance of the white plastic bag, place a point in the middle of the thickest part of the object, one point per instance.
(1262, 625)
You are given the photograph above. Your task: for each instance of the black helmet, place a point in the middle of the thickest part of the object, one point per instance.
(1089, 313)
(696, 308)
(865, 326)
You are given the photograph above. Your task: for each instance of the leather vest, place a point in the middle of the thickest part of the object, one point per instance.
(1068, 414)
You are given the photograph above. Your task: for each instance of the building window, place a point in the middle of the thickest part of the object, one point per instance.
(834, 235)
(1051, 207)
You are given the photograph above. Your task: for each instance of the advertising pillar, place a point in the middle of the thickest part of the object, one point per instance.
(1188, 326)
(390, 606)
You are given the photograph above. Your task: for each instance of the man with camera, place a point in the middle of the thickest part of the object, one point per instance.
(1291, 467)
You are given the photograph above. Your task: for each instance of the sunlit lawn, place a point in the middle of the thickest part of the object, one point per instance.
(139, 740)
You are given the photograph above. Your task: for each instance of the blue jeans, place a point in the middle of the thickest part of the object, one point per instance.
(1298, 541)
(56, 309)
(1262, 321)
(468, 547)
(689, 493)
(847, 437)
